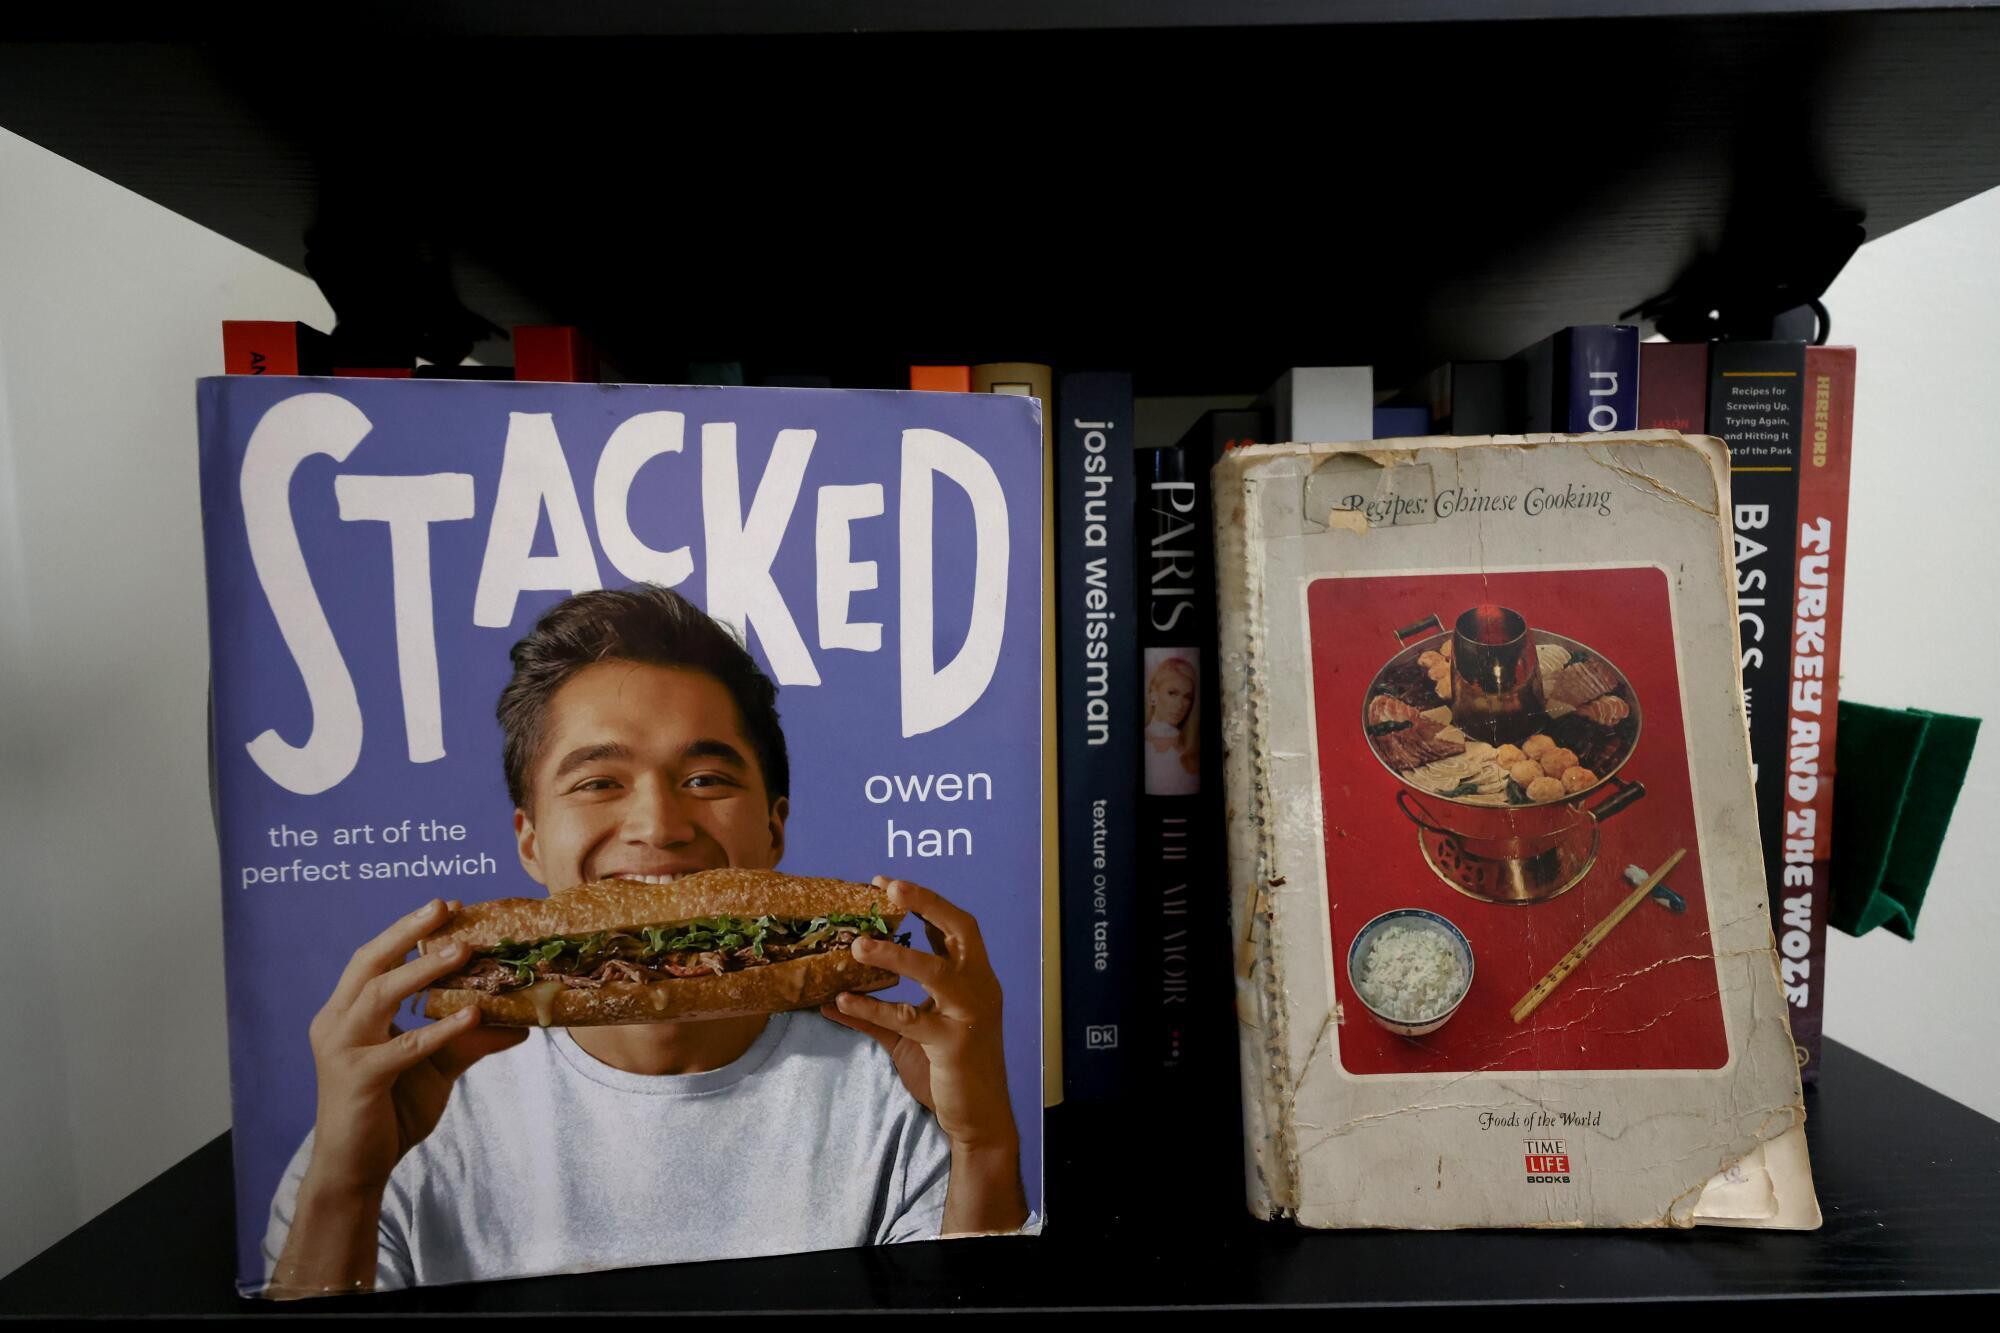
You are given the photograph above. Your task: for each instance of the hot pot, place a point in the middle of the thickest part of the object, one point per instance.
(1514, 853)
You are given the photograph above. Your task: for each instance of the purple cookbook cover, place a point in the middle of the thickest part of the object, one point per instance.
(375, 548)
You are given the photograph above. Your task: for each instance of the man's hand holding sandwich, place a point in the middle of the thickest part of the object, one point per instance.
(949, 1054)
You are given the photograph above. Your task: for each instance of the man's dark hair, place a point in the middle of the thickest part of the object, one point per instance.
(643, 623)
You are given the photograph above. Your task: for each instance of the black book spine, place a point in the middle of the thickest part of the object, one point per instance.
(1541, 380)
(1478, 398)
(1218, 432)
(1179, 807)
(1098, 673)
(1756, 405)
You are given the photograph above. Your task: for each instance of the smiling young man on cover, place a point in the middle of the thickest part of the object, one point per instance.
(642, 741)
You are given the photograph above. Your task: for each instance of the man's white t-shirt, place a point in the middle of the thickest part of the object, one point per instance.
(548, 1161)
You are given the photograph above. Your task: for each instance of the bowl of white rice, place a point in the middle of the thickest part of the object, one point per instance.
(1411, 968)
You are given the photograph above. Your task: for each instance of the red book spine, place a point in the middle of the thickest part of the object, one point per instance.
(1673, 387)
(555, 353)
(1813, 707)
(272, 347)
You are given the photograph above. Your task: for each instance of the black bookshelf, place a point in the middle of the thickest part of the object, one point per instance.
(668, 18)
(1145, 1212)
(1204, 192)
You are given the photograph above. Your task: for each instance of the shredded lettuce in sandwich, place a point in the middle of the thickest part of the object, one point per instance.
(710, 934)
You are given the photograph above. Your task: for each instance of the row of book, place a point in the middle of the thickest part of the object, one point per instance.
(545, 352)
(1132, 791)
(1145, 973)
(1430, 659)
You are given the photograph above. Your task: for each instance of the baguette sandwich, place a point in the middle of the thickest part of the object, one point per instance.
(714, 944)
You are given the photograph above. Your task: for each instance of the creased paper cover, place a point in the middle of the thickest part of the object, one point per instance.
(1478, 693)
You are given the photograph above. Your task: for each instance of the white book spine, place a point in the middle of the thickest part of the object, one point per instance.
(1324, 405)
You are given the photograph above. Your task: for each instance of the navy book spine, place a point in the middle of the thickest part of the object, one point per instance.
(1098, 712)
(1399, 423)
(1601, 391)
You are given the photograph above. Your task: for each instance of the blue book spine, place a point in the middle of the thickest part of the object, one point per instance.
(1098, 673)
(1601, 381)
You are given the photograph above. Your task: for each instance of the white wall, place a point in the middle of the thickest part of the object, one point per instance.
(110, 308)
(1923, 590)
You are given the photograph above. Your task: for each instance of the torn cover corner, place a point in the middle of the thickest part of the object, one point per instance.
(1770, 1187)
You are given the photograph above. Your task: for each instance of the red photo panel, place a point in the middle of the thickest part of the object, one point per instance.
(1524, 878)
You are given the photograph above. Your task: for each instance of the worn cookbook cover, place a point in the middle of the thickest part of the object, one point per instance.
(750, 664)
(1503, 956)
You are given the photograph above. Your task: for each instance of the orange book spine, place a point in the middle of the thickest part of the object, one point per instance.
(942, 379)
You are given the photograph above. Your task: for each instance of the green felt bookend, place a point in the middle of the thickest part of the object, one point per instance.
(1899, 773)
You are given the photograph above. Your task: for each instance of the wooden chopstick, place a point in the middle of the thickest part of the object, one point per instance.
(1546, 987)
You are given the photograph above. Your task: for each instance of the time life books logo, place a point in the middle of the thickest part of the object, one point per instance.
(1547, 1161)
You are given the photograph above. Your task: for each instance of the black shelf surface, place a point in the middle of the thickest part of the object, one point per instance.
(1908, 1179)
(1205, 205)
(625, 18)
